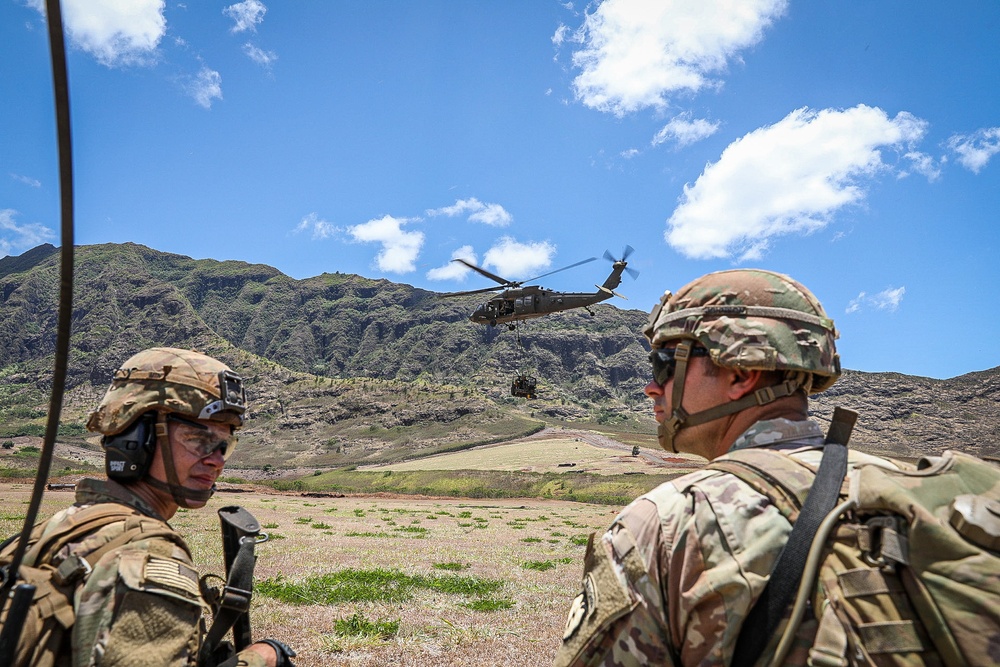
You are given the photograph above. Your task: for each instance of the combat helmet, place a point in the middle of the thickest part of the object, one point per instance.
(747, 319)
(150, 386)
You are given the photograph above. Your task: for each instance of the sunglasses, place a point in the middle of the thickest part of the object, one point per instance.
(665, 363)
(202, 442)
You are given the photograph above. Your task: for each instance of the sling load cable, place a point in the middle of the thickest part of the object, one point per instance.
(520, 345)
(20, 596)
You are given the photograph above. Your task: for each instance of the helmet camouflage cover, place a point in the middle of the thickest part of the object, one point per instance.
(754, 320)
(170, 380)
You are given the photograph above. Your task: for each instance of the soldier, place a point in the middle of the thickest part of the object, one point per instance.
(169, 423)
(735, 355)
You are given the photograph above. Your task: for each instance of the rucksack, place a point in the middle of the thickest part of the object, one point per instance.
(909, 571)
(44, 636)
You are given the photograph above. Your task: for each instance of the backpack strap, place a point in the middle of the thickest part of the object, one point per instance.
(90, 520)
(74, 567)
(770, 608)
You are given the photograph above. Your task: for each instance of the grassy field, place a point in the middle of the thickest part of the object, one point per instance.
(603, 489)
(574, 465)
(542, 455)
(372, 581)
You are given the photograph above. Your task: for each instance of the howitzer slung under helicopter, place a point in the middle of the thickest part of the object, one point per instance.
(519, 301)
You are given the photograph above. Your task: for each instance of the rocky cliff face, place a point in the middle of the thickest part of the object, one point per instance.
(342, 367)
(908, 416)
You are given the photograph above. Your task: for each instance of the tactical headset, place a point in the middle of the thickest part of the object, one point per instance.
(128, 455)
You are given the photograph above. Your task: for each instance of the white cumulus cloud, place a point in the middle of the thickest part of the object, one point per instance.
(493, 215)
(975, 150)
(636, 53)
(316, 227)
(27, 180)
(259, 56)
(204, 87)
(923, 164)
(246, 15)
(785, 178)
(400, 248)
(115, 32)
(16, 238)
(513, 260)
(559, 36)
(888, 299)
(684, 131)
(454, 270)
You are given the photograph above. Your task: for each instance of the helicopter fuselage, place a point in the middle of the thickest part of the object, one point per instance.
(524, 303)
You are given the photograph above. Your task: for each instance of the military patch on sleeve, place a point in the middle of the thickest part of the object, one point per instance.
(577, 612)
(584, 605)
(172, 575)
(144, 572)
(605, 597)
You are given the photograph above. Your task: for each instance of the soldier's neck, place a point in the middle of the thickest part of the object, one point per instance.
(161, 502)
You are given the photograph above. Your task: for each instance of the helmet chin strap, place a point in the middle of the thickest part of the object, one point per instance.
(182, 495)
(679, 418)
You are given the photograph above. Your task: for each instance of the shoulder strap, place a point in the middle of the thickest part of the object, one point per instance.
(73, 527)
(92, 519)
(130, 534)
(87, 521)
(767, 612)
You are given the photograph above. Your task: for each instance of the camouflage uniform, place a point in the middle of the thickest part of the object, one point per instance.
(141, 604)
(672, 580)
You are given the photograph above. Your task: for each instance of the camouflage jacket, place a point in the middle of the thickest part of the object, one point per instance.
(141, 604)
(673, 579)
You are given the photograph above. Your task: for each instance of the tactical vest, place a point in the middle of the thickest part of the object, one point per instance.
(44, 639)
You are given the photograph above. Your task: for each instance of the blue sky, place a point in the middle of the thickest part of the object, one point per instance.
(852, 145)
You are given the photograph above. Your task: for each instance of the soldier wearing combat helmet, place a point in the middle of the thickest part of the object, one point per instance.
(735, 355)
(168, 423)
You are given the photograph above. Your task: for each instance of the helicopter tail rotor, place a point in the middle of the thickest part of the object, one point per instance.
(626, 252)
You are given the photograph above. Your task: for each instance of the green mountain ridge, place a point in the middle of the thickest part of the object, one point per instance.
(343, 369)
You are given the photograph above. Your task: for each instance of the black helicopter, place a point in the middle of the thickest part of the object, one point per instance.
(518, 301)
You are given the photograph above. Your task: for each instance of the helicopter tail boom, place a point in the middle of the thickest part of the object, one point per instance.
(615, 279)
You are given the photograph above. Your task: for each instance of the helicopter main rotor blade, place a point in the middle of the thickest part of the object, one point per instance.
(482, 271)
(558, 270)
(475, 291)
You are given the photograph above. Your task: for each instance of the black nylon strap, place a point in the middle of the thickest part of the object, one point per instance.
(238, 588)
(60, 83)
(783, 583)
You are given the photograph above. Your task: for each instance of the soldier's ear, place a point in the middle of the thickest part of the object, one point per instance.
(742, 382)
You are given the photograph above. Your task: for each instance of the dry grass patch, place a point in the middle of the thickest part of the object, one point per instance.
(517, 620)
(536, 455)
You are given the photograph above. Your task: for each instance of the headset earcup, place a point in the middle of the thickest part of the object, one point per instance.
(129, 454)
